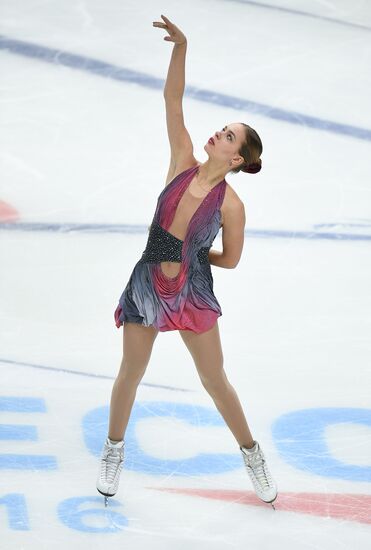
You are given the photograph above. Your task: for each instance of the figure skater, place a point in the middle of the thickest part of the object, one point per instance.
(171, 286)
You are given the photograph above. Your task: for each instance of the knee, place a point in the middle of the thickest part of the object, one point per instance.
(131, 372)
(216, 385)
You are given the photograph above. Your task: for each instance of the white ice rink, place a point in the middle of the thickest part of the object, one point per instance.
(84, 155)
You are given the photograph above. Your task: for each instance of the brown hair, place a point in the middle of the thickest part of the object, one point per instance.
(250, 150)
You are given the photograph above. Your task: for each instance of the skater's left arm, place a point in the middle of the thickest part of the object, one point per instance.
(233, 236)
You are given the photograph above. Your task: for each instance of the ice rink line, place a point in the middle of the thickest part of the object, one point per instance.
(140, 229)
(107, 70)
(88, 374)
(303, 13)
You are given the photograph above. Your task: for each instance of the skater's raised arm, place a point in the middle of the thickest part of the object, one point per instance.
(180, 142)
(175, 81)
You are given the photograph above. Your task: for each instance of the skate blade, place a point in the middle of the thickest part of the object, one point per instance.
(271, 503)
(106, 497)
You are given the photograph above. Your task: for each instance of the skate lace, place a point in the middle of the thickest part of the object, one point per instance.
(112, 460)
(256, 463)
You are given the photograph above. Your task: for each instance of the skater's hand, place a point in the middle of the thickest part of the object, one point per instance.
(176, 34)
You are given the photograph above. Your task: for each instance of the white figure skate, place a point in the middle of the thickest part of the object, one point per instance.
(256, 466)
(110, 468)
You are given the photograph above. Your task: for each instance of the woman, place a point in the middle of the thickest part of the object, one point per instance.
(171, 286)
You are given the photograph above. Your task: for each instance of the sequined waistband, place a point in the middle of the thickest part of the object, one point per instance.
(162, 246)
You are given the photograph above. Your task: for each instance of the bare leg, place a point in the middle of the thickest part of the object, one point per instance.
(137, 348)
(207, 354)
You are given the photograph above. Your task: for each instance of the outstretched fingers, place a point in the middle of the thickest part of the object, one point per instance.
(175, 34)
(166, 25)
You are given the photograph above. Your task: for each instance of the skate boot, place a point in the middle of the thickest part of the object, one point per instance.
(110, 468)
(256, 466)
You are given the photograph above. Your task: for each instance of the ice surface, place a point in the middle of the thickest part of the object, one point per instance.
(83, 156)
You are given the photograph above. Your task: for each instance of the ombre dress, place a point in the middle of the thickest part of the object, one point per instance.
(186, 301)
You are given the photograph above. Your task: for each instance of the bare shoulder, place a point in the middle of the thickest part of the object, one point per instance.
(180, 166)
(232, 204)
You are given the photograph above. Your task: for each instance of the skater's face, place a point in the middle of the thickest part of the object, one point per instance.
(227, 142)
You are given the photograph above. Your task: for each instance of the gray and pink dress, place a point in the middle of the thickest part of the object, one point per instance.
(186, 301)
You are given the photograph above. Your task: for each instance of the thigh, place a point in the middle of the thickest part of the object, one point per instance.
(206, 350)
(138, 342)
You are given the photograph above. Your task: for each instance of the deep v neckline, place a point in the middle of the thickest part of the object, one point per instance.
(179, 198)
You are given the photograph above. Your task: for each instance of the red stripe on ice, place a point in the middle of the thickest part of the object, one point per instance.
(8, 213)
(352, 507)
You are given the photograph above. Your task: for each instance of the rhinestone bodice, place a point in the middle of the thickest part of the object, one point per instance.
(162, 246)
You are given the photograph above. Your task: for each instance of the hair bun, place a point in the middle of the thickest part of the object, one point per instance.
(253, 167)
